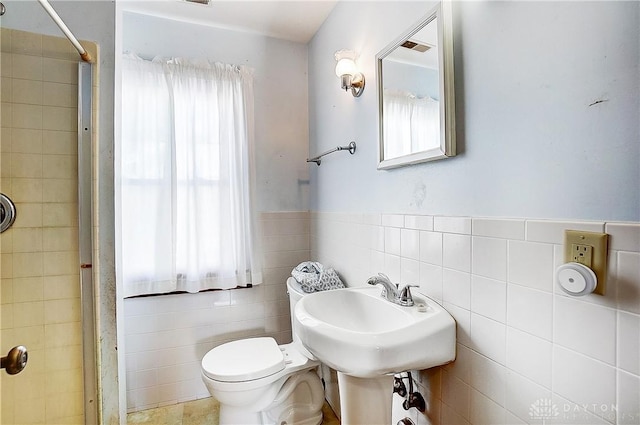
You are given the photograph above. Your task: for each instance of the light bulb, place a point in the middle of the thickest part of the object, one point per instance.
(346, 66)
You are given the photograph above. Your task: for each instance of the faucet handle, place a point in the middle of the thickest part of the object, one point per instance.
(406, 299)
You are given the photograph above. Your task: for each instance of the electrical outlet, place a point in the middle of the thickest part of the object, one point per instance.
(589, 249)
(582, 254)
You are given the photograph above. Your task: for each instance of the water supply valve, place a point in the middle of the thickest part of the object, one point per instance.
(415, 400)
(399, 387)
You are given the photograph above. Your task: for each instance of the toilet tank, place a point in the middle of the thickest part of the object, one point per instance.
(295, 294)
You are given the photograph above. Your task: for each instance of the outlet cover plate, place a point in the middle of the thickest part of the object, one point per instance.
(599, 244)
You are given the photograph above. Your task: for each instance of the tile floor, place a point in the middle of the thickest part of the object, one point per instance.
(197, 412)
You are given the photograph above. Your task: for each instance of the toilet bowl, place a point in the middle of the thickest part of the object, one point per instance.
(258, 382)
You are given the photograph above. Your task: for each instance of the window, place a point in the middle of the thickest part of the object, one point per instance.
(185, 175)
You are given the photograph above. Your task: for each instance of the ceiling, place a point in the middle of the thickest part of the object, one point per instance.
(295, 20)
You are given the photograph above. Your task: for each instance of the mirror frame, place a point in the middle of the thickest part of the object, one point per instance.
(447, 146)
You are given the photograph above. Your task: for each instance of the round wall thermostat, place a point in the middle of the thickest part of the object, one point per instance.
(576, 279)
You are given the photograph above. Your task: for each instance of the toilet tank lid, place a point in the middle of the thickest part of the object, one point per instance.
(243, 360)
(294, 285)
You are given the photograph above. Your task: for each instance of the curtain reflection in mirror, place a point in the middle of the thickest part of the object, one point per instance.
(411, 123)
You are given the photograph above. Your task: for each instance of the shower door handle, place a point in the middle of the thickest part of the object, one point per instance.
(15, 361)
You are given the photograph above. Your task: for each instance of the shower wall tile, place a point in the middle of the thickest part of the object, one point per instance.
(6, 140)
(6, 110)
(59, 215)
(59, 190)
(26, 91)
(40, 282)
(26, 141)
(56, 47)
(26, 165)
(27, 264)
(59, 166)
(59, 142)
(30, 215)
(26, 67)
(59, 118)
(5, 66)
(6, 243)
(61, 286)
(5, 40)
(6, 89)
(26, 116)
(523, 343)
(27, 240)
(59, 71)
(27, 289)
(57, 94)
(6, 260)
(26, 191)
(26, 43)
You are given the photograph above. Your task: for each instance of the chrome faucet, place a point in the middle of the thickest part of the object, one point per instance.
(391, 291)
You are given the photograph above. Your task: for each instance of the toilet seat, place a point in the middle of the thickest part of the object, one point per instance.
(237, 361)
(294, 361)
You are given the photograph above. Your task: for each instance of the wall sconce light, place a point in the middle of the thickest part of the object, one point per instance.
(348, 72)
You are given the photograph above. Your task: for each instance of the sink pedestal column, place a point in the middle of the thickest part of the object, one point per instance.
(365, 401)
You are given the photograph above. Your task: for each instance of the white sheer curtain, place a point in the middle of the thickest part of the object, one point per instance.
(397, 124)
(411, 124)
(186, 177)
(425, 124)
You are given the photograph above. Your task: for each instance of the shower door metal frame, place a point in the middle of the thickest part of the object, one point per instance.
(85, 242)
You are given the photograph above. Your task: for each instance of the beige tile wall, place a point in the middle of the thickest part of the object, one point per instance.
(40, 297)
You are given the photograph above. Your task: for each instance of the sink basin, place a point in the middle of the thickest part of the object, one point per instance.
(362, 335)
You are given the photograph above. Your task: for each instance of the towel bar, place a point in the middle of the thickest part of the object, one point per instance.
(351, 147)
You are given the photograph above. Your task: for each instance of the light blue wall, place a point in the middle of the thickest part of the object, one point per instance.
(547, 106)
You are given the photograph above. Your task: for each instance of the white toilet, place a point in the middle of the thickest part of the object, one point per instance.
(258, 382)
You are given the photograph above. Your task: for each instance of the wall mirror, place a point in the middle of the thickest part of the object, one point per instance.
(416, 105)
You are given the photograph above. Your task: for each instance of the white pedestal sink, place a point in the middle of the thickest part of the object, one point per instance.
(367, 339)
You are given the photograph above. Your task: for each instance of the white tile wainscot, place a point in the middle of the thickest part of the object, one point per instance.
(167, 336)
(520, 340)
